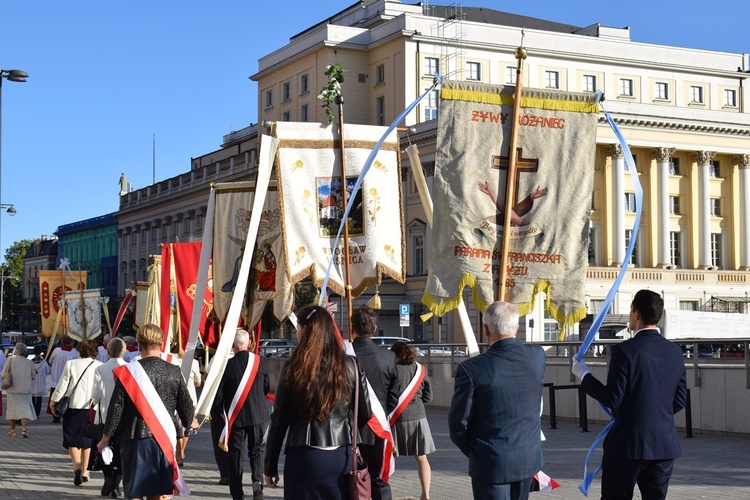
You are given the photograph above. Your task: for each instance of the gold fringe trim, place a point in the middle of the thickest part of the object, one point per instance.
(548, 102)
(524, 308)
(559, 105)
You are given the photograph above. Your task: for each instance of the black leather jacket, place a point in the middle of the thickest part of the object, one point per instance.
(124, 421)
(334, 431)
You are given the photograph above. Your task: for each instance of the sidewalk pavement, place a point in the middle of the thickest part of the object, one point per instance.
(711, 467)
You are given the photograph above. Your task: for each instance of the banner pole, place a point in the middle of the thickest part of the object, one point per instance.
(344, 201)
(520, 54)
(83, 306)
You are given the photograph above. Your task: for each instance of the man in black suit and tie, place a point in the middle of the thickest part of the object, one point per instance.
(249, 420)
(379, 365)
(494, 417)
(645, 388)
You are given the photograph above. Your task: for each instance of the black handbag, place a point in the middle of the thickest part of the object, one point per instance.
(359, 477)
(91, 430)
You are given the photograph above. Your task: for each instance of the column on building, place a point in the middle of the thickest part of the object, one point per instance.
(138, 235)
(191, 219)
(704, 179)
(663, 157)
(743, 161)
(618, 172)
(169, 229)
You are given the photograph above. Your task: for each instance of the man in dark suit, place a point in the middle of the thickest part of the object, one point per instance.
(494, 417)
(251, 419)
(379, 365)
(645, 388)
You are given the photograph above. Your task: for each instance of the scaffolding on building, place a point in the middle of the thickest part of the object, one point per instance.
(451, 32)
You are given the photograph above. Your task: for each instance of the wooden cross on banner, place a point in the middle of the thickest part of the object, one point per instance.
(522, 165)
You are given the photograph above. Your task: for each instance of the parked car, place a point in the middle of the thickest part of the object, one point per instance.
(389, 341)
(276, 348)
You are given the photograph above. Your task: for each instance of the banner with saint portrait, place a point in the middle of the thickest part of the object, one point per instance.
(311, 195)
(552, 198)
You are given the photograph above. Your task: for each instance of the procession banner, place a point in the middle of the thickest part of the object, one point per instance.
(52, 287)
(84, 313)
(552, 198)
(268, 281)
(311, 194)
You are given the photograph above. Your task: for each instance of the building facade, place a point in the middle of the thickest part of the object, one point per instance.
(683, 112)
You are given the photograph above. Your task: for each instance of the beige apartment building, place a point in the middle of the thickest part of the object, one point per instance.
(683, 112)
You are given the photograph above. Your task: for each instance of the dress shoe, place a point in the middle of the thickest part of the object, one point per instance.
(85, 479)
(116, 493)
(257, 491)
(77, 478)
(108, 487)
(224, 480)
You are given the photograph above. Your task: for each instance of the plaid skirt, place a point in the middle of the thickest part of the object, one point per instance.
(19, 406)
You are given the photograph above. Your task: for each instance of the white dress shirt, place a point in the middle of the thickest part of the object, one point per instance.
(70, 376)
(104, 386)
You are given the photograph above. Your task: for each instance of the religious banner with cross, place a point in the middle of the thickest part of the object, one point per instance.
(551, 202)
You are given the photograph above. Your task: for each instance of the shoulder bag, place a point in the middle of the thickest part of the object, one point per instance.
(61, 407)
(359, 476)
(8, 378)
(90, 429)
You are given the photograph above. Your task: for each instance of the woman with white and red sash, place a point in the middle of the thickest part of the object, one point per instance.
(147, 393)
(409, 425)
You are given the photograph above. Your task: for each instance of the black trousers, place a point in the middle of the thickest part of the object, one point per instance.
(221, 457)
(254, 437)
(620, 475)
(517, 490)
(373, 455)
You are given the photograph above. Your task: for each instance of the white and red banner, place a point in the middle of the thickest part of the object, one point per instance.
(238, 400)
(52, 287)
(408, 394)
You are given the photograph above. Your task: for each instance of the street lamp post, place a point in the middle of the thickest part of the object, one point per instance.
(12, 75)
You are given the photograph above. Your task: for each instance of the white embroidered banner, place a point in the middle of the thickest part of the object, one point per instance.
(84, 313)
(552, 198)
(311, 195)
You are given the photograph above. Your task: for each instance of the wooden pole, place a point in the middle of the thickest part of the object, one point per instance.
(344, 201)
(511, 177)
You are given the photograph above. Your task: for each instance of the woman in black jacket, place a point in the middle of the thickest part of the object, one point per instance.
(313, 408)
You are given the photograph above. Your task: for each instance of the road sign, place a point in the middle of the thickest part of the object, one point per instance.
(404, 321)
(404, 309)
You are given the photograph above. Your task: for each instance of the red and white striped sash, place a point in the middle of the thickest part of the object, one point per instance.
(151, 408)
(408, 394)
(379, 425)
(243, 389)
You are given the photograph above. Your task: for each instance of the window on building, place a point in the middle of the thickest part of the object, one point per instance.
(380, 110)
(625, 87)
(715, 169)
(674, 205)
(630, 202)
(153, 233)
(380, 73)
(186, 226)
(674, 166)
(675, 248)
(589, 83)
(552, 79)
(417, 242)
(286, 116)
(634, 256)
(286, 92)
(304, 84)
(730, 97)
(269, 98)
(715, 207)
(661, 90)
(431, 106)
(689, 305)
(511, 72)
(696, 94)
(716, 254)
(303, 113)
(198, 222)
(431, 65)
(592, 247)
(473, 71)
(595, 305)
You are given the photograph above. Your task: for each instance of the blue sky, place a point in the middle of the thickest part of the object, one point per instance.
(105, 77)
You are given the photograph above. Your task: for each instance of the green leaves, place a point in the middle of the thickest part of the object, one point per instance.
(328, 94)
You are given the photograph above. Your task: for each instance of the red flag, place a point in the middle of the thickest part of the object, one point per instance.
(186, 258)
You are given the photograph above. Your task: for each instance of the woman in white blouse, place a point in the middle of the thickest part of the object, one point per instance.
(79, 371)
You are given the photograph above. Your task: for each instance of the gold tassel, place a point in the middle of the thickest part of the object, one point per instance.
(375, 300)
(316, 300)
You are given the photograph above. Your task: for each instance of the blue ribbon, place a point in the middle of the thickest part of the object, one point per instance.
(589, 476)
(365, 169)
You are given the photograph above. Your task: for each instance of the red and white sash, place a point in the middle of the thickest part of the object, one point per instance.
(243, 389)
(379, 425)
(408, 394)
(151, 408)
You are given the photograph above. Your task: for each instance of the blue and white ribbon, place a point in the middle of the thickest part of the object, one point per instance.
(365, 169)
(589, 476)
